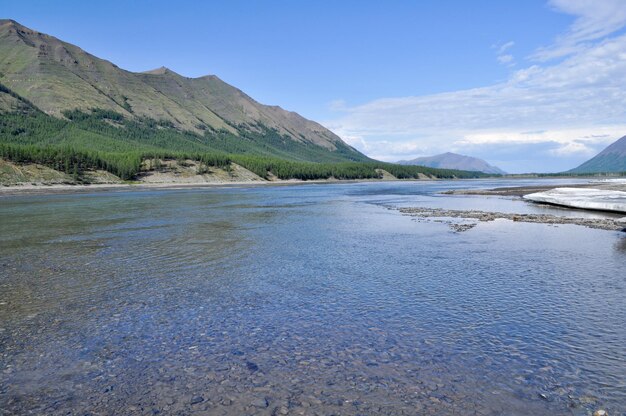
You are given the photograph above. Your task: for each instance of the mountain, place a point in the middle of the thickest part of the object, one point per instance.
(454, 161)
(55, 77)
(73, 113)
(611, 159)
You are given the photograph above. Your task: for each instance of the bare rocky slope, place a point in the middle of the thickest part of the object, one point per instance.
(56, 76)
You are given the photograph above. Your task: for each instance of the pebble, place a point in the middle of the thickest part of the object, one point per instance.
(252, 366)
(386, 372)
(261, 403)
(197, 399)
(429, 213)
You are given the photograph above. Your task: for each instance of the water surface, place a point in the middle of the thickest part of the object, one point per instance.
(312, 299)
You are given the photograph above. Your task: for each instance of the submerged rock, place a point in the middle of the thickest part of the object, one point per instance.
(197, 399)
(252, 366)
(261, 402)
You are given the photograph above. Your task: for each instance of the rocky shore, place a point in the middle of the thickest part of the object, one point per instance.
(520, 191)
(613, 224)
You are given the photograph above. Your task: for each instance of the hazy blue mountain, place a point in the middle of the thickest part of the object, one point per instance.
(454, 161)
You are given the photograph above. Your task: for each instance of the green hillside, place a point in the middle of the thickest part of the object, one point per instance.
(57, 76)
(68, 110)
(103, 139)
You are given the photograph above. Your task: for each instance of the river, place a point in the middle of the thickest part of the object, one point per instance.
(306, 299)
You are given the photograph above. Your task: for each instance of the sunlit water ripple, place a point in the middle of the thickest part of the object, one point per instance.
(313, 299)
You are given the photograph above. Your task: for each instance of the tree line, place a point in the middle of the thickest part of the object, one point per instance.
(104, 139)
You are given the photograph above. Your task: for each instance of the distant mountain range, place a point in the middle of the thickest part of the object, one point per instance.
(54, 76)
(454, 161)
(611, 159)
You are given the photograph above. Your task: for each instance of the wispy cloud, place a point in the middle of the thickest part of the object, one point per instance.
(505, 47)
(503, 56)
(595, 20)
(505, 59)
(577, 104)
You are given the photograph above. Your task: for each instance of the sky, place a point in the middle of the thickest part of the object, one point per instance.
(528, 85)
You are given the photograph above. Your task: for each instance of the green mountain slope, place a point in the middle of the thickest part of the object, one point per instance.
(611, 159)
(57, 76)
(65, 109)
(12, 103)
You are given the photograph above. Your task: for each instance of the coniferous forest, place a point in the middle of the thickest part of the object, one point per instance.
(104, 139)
(101, 139)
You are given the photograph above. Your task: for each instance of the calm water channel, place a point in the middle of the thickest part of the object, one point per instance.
(310, 299)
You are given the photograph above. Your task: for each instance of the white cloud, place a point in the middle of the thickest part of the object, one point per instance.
(506, 46)
(505, 59)
(502, 56)
(573, 148)
(595, 20)
(562, 136)
(355, 141)
(578, 104)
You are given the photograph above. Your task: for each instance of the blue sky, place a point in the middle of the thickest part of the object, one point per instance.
(528, 85)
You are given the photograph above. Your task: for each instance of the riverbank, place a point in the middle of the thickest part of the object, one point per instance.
(611, 224)
(19, 179)
(582, 198)
(520, 191)
(596, 195)
(213, 181)
(141, 186)
(597, 188)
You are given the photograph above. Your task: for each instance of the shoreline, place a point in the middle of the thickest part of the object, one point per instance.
(56, 188)
(52, 189)
(609, 224)
(520, 191)
(597, 196)
(15, 190)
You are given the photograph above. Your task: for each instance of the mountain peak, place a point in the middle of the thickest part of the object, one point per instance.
(56, 76)
(160, 71)
(13, 31)
(619, 146)
(611, 159)
(12, 24)
(451, 160)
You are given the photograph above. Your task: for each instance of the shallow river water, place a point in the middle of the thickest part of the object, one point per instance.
(310, 299)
